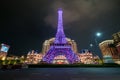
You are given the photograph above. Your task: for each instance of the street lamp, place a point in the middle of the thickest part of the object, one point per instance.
(94, 47)
(98, 34)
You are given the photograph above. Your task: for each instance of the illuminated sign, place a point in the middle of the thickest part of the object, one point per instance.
(4, 48)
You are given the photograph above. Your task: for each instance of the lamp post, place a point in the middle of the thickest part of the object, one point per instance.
(94, 45)
(98, 34)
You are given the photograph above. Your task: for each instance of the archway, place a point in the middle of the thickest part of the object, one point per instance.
(60, 59)
(69, 54)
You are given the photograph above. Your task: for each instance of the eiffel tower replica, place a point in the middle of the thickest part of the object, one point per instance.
(60, 46)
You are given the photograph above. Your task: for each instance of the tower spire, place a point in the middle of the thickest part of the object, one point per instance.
(60, 20)
(60, 36)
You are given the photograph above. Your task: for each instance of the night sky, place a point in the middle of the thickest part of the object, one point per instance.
(26, 24)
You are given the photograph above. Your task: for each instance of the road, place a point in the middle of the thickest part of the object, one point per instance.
(61, 74)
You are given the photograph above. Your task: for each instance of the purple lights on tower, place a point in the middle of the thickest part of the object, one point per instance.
(60, 45)
(60, 36)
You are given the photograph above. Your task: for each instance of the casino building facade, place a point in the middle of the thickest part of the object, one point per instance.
(60, 50)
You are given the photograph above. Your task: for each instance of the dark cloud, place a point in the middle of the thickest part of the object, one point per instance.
(77, 10)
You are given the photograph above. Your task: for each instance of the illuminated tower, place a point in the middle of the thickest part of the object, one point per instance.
(60, 46)
(60, 36)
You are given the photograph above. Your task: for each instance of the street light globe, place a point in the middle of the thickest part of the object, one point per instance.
(91, 45)
(98, 34)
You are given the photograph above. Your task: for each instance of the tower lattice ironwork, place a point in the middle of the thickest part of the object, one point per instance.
(60, 45)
